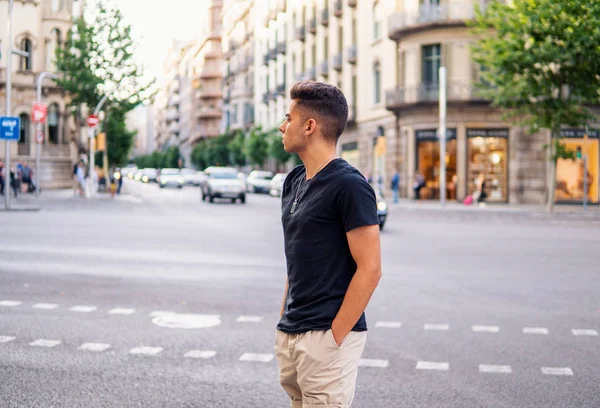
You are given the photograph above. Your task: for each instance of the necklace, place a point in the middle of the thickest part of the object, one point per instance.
(300, 192)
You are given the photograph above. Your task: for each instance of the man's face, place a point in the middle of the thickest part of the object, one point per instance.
(292, 130)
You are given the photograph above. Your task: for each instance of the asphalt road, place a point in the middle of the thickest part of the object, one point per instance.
(470, 312)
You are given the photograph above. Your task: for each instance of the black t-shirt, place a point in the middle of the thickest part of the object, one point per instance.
(319, 262)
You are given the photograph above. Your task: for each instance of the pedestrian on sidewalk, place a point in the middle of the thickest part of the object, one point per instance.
(2, 177)
(80, 177)
(395, 185)
(418, 184)
(331, 242)
(27, 174)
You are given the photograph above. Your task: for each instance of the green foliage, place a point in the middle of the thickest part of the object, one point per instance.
(257, 146)
(159, 160)
(217, 151)
(237, 149)
(199, 158)
(119, 140)
(276, 149)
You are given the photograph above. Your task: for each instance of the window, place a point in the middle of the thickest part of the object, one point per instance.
(377, 82)
(51, 47)
(57, 5)
(325, 47)
(25, 62)
(376, 20)
(314, 55)
(340, 39)
(53, 122)
(25, 128)
(432, 56)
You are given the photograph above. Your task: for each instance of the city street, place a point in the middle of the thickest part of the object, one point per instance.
(156, 299)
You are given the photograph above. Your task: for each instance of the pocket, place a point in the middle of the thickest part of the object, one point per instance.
(330, 334)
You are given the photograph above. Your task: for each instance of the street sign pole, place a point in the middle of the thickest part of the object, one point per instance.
(585, 177)
(442, 136)
(8, 105)
(39, 130)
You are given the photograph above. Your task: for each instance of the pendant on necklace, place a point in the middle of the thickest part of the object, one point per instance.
(294, 204)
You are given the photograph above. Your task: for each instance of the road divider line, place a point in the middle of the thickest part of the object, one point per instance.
(535, 330)
(431, 365)
(10, 303)
(367, 362)
(120, 311)
(501, 369)
(45, 306)
(6, 339)
(388, 325)
(436, 327)
(203, 354)
(83, 309)
(45, 343)
(584, 332)
(557, 371)
(262, 358)
(486, 329)
(249, 319)
(97, 347)
(146, 351)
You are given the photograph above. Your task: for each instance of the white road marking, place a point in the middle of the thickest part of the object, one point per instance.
(45, 343)
(97, 347)
(119, 311)
(10, 303)
(203, 354)
(157, 313)
(367, 362)
(389, 325)
(45, 306)
(186, 321)
(584, 332)
(535, 330)
(147, 351)
(6, 339)
(485, 368)
(429, 365)
(557, 371)
(83, 309)
(486, 329)
(263, 358)
(249, 319)
(438, 327)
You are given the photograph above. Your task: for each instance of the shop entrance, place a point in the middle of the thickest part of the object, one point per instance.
(428, 163)
(569, 173)
(488, 156)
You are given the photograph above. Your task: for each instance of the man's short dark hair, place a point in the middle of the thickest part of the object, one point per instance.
(324, 101)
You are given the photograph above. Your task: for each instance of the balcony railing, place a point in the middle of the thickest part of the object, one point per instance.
(265, 98)
(301, 33)
(351, 3)
(337, 62)
(351, 54)
(281, 47)
(325, 17)
(324, 68)
(281, 89)
(266, 58)
(313, 25)
(209, 113)
(338, 8)
(273, 53)
(210, 72)
(458, 91)
(427, 15)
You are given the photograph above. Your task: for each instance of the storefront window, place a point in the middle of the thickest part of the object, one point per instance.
(350, 153)
(428, 163)
(569, 173)
(488, 155)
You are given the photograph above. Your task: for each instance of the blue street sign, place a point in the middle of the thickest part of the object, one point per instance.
(10, 127)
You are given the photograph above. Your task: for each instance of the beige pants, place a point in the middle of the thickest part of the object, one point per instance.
(315, 372)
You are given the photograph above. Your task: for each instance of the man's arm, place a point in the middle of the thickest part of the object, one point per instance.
(284, 297)
(365, 248)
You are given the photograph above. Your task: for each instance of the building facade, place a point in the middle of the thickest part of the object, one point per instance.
(39, 27)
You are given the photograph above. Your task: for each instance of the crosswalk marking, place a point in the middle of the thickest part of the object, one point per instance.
(389, 325)
(486, 329)
(535, 330)
(83, 309)
(557, 371)
(584, 332)
(97, 347)
(6, 339)
(203, 354)
(45, 306)
(436, 327)
(45, 343)
(147, 351)
(120, 311)
(503, 369)
(263, 358)
(430, 365)
(249, 319)
(10, 303)
(367, 362)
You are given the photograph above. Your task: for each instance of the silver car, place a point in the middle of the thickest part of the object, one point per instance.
(259, 181)
(170, 178)
(277, 184)
(222, 182)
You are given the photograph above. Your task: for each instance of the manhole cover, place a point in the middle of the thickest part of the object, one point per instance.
(186, 321)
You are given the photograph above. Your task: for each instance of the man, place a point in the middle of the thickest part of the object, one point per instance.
(1, 177)
(396, 185)
(331, 240)
(27, 175)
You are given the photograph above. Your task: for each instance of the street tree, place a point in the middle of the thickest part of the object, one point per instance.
(276, 149)
(237, 149)
(540, 63)
(257, 146)
(217, 151)
(199, 155)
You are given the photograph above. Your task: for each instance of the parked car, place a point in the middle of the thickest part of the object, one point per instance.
(222, 182)
(191, 177)
(259, 181)
(129, 171)
(277, 184)
(382, 211)
(170, 178)
(149, 175)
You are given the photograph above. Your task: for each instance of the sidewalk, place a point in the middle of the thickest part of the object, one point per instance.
(61, 198)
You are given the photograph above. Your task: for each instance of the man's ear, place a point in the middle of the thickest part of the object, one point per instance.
(310, 126)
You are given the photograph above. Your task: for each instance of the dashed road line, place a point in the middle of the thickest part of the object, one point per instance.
(10, 303)
(367, 362)
(121, 311)
(436, 327)
(486, 329)
(557, 371)
(262, 358)
(389, 325)
(146, 351)
(249, 319)
(584, 332)
(6, 339)
(502, 369)
(45, 306)
(535, 330)
(97, 347)
(431, 365)
(45, 343)
(158, 313)
(203, 354)
(83, 309)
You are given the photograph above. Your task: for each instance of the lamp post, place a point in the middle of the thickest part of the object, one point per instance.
(39, 129)
(442, 136)
(92, 134)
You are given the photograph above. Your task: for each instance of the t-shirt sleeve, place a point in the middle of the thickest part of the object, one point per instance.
(357, 204)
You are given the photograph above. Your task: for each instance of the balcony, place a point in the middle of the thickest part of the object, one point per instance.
(351, 54)
(351, 114)
(273, 53)
(273, 96)
(265, 98)
(281, 48)
(209, 93)
(281, 89)
(428, 93)
(300, 33)
(209, 113)
(351, 3)
(312, 25)
(203, 131)
(310, 74)
(266, 58)
(213, 54)
(324, 68)
(281, 6)
(227, 97)
(338, 8)
(325, 17)
(210, 72)
(429, 16)
(337, 62)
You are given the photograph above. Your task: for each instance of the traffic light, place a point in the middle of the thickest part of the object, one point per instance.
(101, 142)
